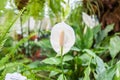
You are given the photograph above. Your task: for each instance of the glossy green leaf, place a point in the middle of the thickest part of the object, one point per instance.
(62, 77)
(114, 46)
(67, 58)
(52, 60)
(88, 38)
(84, 59)
(75, 49)
(117, 72)
(96, 29)
(87, 73)
(53, 73)
(104, 33)
(100, 65)
(107, 75)
(90, 52)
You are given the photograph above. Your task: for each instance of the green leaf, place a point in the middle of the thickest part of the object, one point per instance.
(2, 4)
(36, 8)
(96, 29)
(100, 65)
(114, 46)
(67, 58)
(47, 68)
(62, 77)
(90, 52)
(8, 56)
(34, 64)
(53, 73)
(84, 59)
(44, 44)
(55, 6)
(108, 29)
(107, 75)
(9, 26)
(104, 33)
(87, 73)
(75, 49)
(52, 60)
(117, 74)
(88, 38)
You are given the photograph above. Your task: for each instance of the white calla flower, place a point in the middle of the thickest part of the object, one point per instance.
(62, 35)
(90, 21)
(14, 76)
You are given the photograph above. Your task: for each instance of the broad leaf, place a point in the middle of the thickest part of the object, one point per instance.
(104, 33)
(88, 38)
(84, 59)
(117, 72)
(114, 46)
(87, 73)
(90, 52)
(96, 29)
(62, 77)
(67, 58)
(100, 65)
(107, 75)
(52, 60)
(53, 73)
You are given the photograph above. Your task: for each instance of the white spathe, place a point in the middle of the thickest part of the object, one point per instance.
(68, 40)
(14, 76)
(90, 21)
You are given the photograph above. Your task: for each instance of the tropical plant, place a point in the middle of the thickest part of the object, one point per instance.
(85, 49)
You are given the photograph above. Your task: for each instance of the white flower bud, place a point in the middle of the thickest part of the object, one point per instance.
(90, 21)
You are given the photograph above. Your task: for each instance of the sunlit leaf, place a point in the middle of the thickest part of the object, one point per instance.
(87, 73)
(53, 73)
(62, 77)
(117, 72)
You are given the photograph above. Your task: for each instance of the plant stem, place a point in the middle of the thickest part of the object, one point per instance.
(22, 33)
(39, 30)
(21, 26)
(112, 61)
(28, 47)
(61, 52)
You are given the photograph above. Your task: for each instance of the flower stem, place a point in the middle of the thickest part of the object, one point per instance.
(112, 61)
(62, 62)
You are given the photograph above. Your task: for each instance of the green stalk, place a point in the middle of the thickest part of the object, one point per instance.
(61, 52)
(112, 61)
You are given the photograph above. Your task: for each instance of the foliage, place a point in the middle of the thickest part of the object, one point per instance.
(95, 55)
